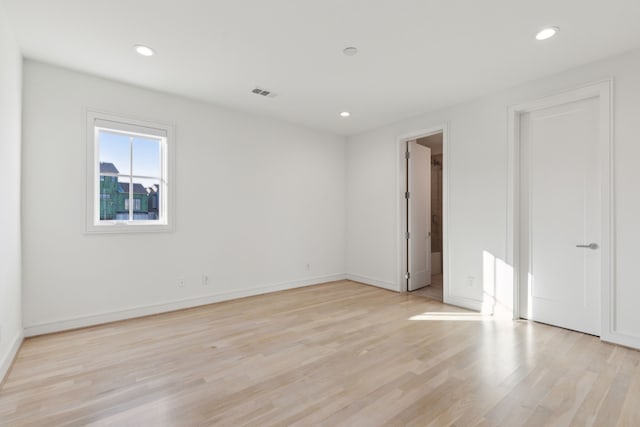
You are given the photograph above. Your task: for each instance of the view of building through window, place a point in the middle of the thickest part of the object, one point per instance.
(130, 176)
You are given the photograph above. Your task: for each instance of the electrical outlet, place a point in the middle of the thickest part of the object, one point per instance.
(205, 280)
(181, 283)
(308, 267)
(470, 280)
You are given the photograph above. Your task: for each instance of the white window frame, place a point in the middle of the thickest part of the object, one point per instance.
(95, 121)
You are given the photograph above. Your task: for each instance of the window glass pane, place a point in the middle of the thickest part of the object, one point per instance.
(122, 199)
(146, 157)
(114, 152)
(108, 195)
(146, 204)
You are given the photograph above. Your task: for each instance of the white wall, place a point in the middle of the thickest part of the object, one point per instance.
(10, 264)
(478, 189)
(256, 201)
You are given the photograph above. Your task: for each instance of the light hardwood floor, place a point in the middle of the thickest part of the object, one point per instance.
(434, 290)
(339, 354)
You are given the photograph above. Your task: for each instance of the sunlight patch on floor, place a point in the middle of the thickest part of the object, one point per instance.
(452, 316)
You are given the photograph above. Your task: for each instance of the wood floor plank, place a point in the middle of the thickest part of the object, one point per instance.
(338, 354)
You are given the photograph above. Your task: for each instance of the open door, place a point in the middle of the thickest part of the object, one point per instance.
(419, 216)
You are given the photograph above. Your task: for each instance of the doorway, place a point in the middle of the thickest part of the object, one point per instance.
(561, 226)
(563, 219)
(424, 219)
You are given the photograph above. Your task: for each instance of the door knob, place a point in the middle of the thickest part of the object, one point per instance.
(589, 246)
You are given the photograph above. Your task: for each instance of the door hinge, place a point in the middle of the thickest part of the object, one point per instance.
(406, 194)
(407, 155)
(407, 235)
(407, 275)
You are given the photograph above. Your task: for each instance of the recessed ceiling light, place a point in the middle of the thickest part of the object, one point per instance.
(350, 51)
(345, 114)
(547, 33)
(144, 50)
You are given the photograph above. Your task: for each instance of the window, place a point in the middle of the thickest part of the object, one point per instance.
(137, 203)
(127, 174)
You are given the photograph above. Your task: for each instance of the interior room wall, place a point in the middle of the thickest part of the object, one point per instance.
(436, 203)
(432, 141)
(260, 206)
(477, 209)
(10, 250)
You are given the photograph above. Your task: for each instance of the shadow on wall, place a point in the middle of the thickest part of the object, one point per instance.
(497, 286)
(497, 294)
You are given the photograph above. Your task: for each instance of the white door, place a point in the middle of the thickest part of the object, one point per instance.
(560, 213)
(419, 218)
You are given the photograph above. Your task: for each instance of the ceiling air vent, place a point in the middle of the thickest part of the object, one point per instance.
(263, 92)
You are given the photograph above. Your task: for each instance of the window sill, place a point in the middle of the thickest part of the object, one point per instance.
(126, 227)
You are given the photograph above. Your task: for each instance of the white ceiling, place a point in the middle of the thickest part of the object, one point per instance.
(415, 55)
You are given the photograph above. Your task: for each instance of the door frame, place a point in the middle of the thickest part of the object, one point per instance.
(402, 205)
(603, 91)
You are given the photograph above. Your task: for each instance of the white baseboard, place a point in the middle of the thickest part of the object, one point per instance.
(462, 302)
(130, 313)
(621, 339)
(7, 359)
(373, 282)
(467, 303)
